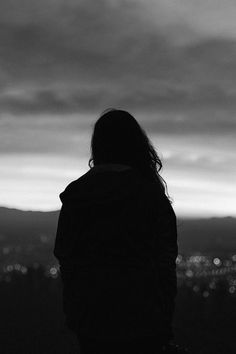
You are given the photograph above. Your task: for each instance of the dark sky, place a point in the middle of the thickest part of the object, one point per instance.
(172, 64)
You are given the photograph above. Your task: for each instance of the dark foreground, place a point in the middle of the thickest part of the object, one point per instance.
(32, 320)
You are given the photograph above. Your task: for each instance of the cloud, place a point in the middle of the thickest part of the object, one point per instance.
(79, 57)
(107, 46)
(45, 136)
(77, 40)
(173, 110)
(51, 101)
(211, 18)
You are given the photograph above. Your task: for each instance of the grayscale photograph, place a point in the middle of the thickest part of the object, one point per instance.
(118, 176)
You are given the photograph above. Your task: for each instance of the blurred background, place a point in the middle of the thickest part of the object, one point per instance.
(170, 63)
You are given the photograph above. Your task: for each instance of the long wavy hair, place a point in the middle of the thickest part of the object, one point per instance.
(118, 138)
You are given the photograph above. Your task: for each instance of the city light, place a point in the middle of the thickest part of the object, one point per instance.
(201, 273)
(205, 293)
(232, 289)
(217, 261)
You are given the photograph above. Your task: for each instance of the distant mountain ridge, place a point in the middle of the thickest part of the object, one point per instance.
(212, 235)
(20, 226)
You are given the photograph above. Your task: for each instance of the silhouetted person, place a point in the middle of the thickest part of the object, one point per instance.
(117, 245)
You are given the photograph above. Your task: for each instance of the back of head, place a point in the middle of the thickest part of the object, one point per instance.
(118, 138)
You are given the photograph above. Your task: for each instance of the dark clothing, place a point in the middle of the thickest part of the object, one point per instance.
(116, 244)
(137, 346)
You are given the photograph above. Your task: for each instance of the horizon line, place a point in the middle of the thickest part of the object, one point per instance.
(178, 215)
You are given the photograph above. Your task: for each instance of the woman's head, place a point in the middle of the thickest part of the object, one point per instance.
(118, 138)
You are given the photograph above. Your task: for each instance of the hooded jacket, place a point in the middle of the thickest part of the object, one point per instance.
(116, 244)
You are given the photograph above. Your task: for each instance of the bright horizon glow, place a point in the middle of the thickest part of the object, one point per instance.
(198, 187)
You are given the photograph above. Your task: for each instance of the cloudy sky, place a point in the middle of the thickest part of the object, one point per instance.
(170, 63)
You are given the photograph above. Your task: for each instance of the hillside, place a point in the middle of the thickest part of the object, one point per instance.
(213, 235)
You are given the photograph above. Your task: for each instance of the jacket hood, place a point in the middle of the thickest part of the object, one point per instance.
(103, 183)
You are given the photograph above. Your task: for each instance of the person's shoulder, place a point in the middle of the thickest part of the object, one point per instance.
(74, 185)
